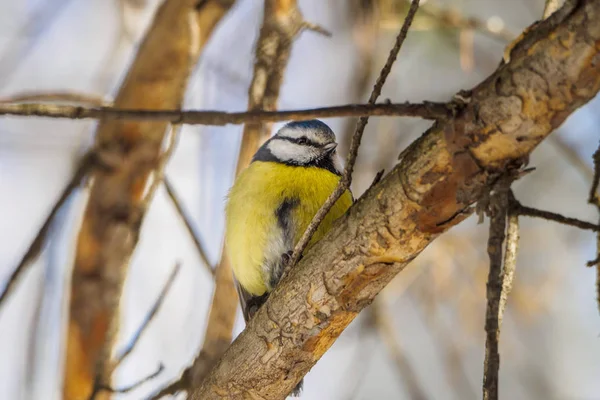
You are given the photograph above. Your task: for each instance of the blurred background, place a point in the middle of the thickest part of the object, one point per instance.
(424, 335)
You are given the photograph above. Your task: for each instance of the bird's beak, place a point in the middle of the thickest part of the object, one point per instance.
(329, 148)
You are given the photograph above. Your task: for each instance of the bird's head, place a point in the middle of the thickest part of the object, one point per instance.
(302, 143)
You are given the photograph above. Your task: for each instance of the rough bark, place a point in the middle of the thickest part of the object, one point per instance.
(131, 152)
(552, 71)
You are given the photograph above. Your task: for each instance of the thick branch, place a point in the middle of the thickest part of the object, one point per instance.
(440, 176)
(131, 156)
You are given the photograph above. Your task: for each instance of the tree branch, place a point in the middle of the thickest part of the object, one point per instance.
(187, 221)
(432, 189)
(36, 246)
(497, 210)
(426, 110)
(594, 199)
(132, 154)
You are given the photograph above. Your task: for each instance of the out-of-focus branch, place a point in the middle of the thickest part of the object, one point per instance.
(187, 221)
(126, 389)
(62, 97)
(365, 18)
(594, 199)
(383, 321)
(572, 156)
(346, 178)
(96, 101)
(426, 110)
(39, 241)
(282, 22)
(149, 317)
(120, 192)
(432, 189)
(433, 16)
(101, 386)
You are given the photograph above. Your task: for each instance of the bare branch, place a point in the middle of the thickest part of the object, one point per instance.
(427, 110)
(594, 198)
(187, 221)
(37, 245)
(126, 389)
(63, 97)
(346, 178)
(149, 317)
(550, 216)
(497, 210)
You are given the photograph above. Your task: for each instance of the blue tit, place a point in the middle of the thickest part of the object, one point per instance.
(273, 201)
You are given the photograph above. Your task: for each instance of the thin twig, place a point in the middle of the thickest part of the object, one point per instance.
(497, 209)
(550, 216)
(149, 317)
(346, 178)
(188, 224)
(425, 110)
(126, 389)
(38, 242)
(594, 199)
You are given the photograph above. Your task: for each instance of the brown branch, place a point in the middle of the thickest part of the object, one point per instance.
(187, 221)
(426, 110)
(497, 209)
(431, 189)
(131, 152)
(36, 246)
(406, 372)
(63, 97)
(346, 179)
(550, 216)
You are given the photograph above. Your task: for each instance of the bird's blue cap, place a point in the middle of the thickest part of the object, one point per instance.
(311, 124)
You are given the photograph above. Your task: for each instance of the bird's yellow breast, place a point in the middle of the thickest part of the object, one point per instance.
(252, 229)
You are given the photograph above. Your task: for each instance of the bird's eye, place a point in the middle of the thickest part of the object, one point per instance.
(303, 141)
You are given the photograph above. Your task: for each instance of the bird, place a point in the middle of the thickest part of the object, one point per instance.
(272, 202)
